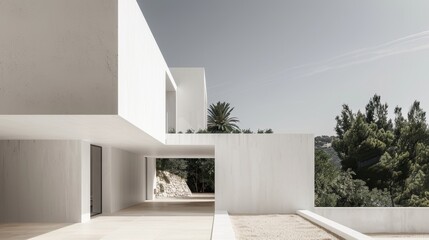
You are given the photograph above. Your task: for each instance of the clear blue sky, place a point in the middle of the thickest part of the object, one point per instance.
(290, 65)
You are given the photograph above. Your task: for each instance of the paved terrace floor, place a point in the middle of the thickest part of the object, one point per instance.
(162, 219)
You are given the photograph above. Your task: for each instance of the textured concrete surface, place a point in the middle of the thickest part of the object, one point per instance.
(277, 227)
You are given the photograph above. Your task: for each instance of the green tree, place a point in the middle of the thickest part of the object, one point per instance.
(362, 139)
(385, 154)
(337, 188)
(201, 175)
(326, 173)
(390, 162)
(376, 112)
(417, 190)
(344, 121)
(219, 119)
(407, 161)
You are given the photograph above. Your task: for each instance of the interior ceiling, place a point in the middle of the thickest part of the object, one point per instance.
(110, 130)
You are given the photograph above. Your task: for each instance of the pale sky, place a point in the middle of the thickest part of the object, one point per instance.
(290, 65)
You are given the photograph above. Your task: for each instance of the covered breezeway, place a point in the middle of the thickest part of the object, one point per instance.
(248, 169)
(186, 218)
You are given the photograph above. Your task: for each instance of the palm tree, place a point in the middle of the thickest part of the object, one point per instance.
(219, 119)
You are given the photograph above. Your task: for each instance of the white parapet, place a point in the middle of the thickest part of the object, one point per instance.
(334, 227)
(392, 220)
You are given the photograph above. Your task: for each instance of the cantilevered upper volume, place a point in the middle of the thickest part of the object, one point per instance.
(74, 69)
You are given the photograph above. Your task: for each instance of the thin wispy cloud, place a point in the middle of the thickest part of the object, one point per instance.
(408, 44)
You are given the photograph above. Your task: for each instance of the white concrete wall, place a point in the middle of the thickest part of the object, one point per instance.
(44, 181)
(124, 182)
(58, 57)
(259, 173)
(142, 73)
(264, 173)
(191, 98)
(379, 220)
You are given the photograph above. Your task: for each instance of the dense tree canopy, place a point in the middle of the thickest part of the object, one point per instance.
(386, 154)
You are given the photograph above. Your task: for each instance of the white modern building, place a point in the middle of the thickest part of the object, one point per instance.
(84, 86)
(86, 104)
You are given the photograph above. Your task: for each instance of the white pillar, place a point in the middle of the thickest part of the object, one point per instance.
(151, 178)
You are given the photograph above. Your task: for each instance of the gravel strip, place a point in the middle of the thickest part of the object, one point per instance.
(276, 226)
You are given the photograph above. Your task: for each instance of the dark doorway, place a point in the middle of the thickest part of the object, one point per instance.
(96, 192)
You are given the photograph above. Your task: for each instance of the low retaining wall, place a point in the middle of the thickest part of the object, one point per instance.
(379, 220)
(334, 227)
